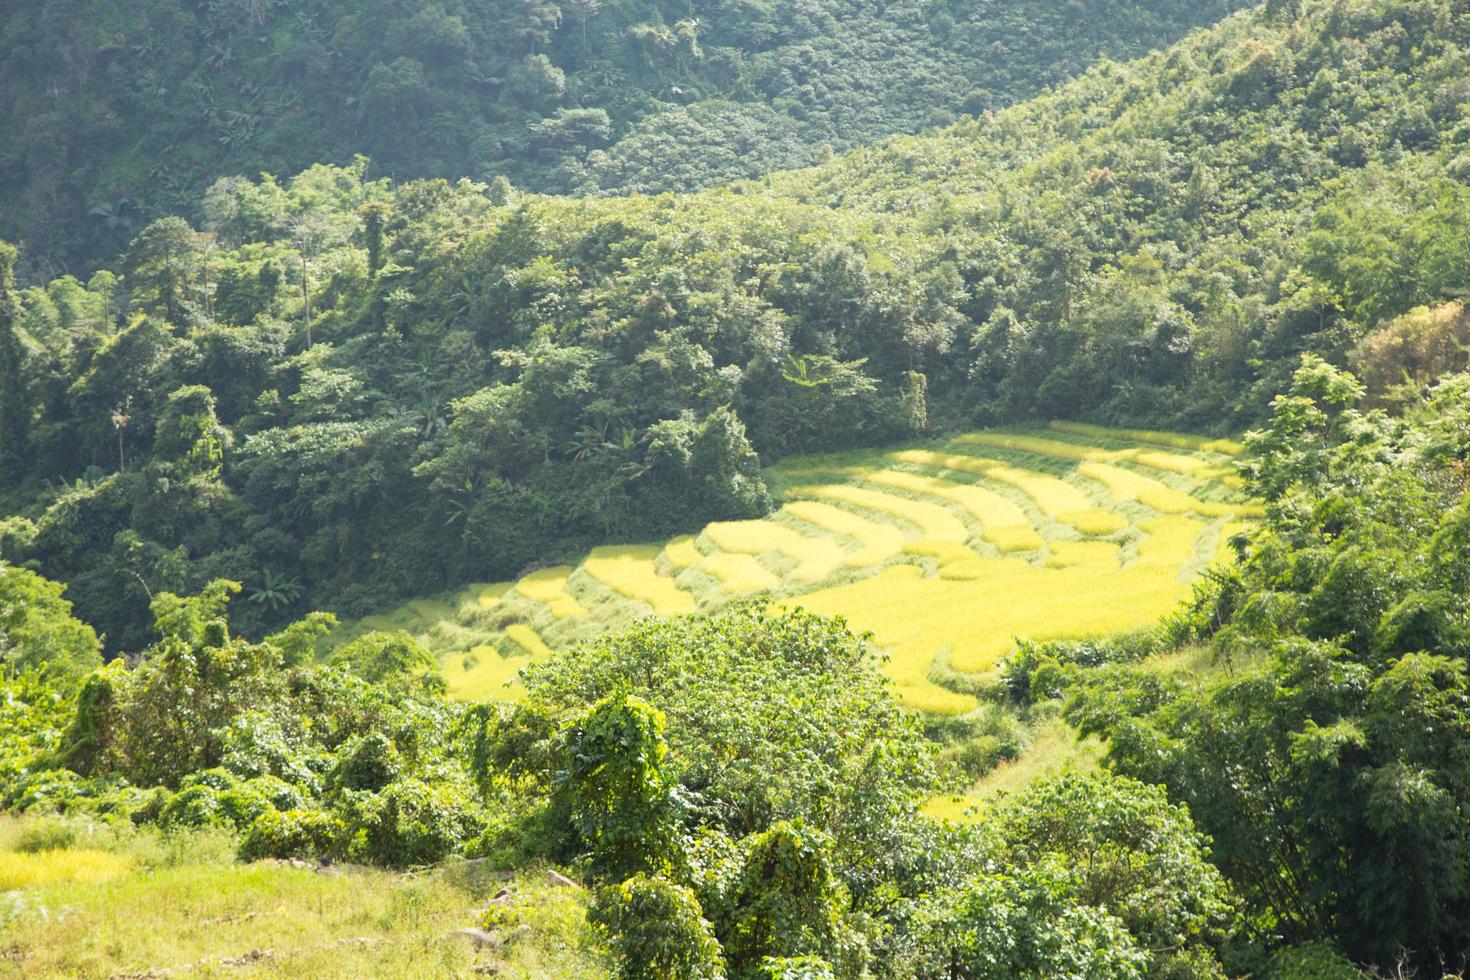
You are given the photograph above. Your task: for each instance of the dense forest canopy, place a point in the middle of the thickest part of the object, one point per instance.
(116, 113)
(489, 378)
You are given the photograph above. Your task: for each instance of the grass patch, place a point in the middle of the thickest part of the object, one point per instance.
(199, 916)
(630, 571)
(55, 866)
(1054, 751)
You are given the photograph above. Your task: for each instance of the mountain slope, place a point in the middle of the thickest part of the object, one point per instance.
(499, 380)
(114, 113)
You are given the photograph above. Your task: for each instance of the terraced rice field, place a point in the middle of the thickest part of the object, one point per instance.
(945, 552)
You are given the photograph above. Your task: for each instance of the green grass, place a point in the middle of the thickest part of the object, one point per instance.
(183, 906)
(1054, 750)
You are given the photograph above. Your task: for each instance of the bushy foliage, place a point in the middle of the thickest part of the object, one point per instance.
(768, 718)
(1326, 766)
(657, 931)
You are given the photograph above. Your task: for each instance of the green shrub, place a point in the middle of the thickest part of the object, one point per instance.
(290, 834)
(657, 931)
(370, 763)
(409, 823)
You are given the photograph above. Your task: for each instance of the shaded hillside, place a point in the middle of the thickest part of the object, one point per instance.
(115, 113)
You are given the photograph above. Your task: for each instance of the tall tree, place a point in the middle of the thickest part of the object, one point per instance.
(14, 405)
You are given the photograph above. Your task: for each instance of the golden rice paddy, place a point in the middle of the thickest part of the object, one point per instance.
(549, 587)
(740, 574)
(932, 520)
(877, 542)
(815, 558)
(1174, 440)
(946, 556)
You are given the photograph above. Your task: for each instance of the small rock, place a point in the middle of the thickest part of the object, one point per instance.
(479, 937)
(559, 880)
(502, 896)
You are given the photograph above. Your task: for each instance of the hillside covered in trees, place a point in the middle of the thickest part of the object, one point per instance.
(116, 113)
(489, 379)
(309, 397)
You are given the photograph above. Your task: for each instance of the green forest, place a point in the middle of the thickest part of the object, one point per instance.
(317, 319)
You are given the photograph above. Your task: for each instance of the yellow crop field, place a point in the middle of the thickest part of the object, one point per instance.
(1170, 542)
(960, 463)
(483, 674)
(816, 558)
(549, 587)
(1002, 522)
(1036, 445)
(528, 640)
(488, 596)
(892, 542)
(33, 870)
(878, 542)
(629, 571)
(975, 620)
(932, 520)
(740, 574)
(1079, 452)
(1125, 484)
(1060, 500)
(681, 553)
(1174, 440)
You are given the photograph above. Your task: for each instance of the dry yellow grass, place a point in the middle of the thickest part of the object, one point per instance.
(1002, 522)
(740, 574)
(21, 870)
(816, 558)
(1174, 440)
(932, 520)
(877, 542)
(549, 587)
(629, 571)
